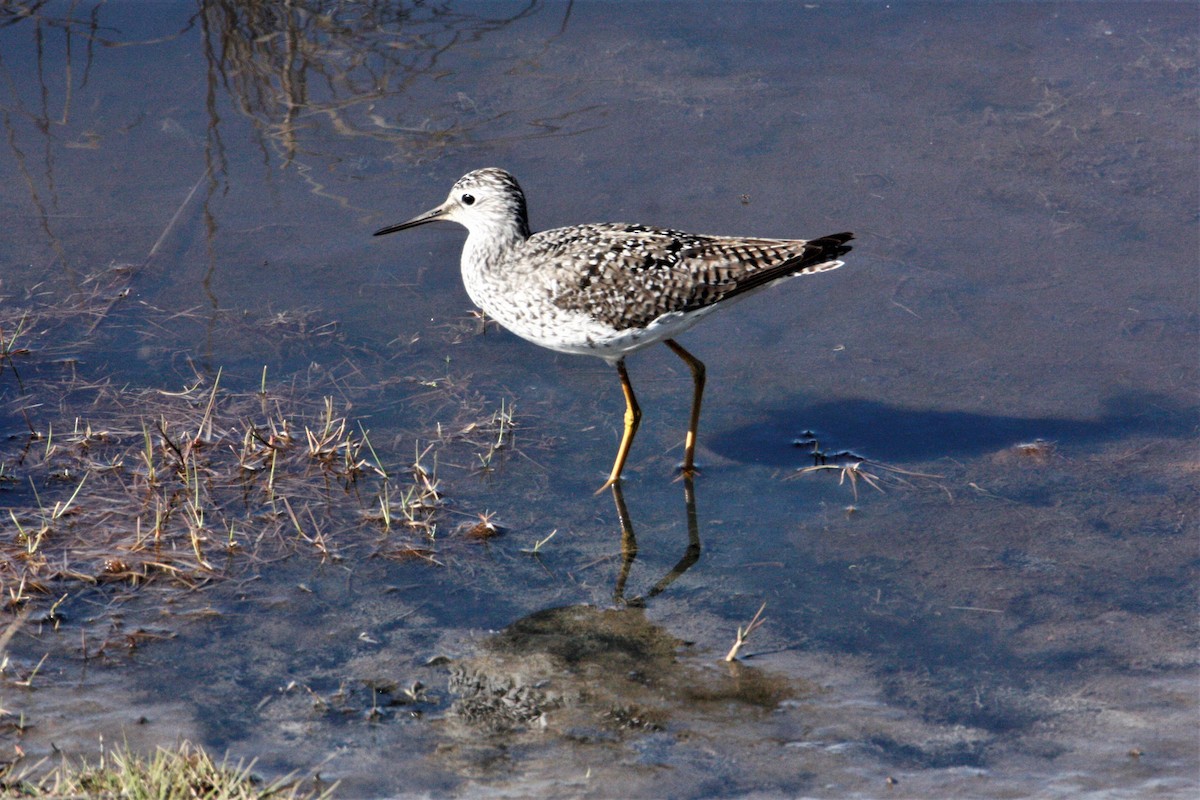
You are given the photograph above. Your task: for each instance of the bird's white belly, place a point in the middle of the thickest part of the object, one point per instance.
(532, 315)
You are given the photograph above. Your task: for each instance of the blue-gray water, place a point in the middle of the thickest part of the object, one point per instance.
(1007, 618)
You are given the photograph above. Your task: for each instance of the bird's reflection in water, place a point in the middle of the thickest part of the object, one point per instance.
(580, 673)
(629, 548)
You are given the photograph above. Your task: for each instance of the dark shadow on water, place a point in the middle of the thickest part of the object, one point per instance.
(891, 433)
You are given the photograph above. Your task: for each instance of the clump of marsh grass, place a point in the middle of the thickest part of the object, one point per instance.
(108, 487)
(171, 481)
(153, 488)
(182, 771)
(179, 485)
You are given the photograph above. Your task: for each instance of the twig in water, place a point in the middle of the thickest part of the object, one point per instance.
(744, 633)
(103, 315)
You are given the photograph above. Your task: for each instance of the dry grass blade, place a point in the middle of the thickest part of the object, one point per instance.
(854, 472)
(8, 344)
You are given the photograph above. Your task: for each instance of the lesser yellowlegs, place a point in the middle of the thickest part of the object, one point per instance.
(608, 290)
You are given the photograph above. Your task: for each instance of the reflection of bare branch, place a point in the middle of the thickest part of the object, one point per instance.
(306, 74)
(34, 195)
(43, 193)
(292, 66)
(287, 65)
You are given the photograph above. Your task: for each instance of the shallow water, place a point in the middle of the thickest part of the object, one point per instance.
(1012, 344)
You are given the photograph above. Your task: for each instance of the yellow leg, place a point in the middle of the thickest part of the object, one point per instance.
(633, 417)
(697, 368)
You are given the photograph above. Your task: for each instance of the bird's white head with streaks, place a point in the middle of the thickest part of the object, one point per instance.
(488, 202)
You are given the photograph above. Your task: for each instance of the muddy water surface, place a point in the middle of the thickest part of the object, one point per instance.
(989, 593)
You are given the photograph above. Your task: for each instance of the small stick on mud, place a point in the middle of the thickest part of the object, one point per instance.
(744, 633)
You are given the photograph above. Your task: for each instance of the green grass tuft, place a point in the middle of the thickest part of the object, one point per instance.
(181, 772)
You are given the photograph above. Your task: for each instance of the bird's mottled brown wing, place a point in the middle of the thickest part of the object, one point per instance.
(627, 276)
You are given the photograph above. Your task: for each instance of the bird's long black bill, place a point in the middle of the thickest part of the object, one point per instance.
(432, 215)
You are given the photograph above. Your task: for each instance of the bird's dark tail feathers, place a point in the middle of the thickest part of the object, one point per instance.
(819, 255)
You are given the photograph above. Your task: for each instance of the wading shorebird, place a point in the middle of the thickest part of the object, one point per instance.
(608, 290)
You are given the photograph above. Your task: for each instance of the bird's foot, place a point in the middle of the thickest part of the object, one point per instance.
(688, 471)
(611, 482)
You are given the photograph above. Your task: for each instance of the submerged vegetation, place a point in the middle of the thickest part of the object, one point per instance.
(103, 483)
(108, 489)
(112, 488)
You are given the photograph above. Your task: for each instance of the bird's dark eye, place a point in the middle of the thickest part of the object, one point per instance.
(468, 199)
